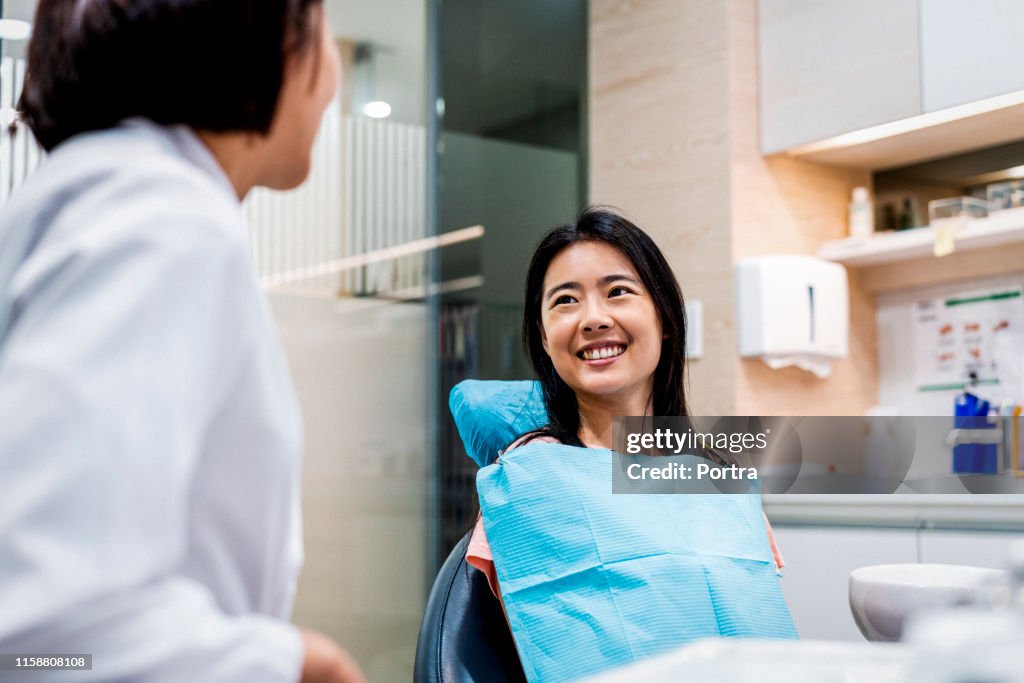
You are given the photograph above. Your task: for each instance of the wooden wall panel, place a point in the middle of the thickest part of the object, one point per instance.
(674, 143)
(785, 205)
(659, 150)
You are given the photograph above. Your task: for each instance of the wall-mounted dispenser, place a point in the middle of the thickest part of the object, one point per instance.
(792, 310)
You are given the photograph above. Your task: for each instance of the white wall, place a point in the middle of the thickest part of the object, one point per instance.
(897, 387)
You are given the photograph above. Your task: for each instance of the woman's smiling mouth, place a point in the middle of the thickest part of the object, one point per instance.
(602, 352)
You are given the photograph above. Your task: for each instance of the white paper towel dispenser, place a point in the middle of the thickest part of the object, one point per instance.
(792, 310)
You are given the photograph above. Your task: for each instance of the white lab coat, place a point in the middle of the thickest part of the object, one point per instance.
(149, 432)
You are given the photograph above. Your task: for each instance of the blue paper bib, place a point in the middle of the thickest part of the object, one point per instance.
(592, 580)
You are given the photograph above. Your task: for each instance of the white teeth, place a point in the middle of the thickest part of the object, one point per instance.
(603, 352)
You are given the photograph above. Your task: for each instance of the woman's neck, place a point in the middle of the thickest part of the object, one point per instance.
(236, 154)
(598, 413)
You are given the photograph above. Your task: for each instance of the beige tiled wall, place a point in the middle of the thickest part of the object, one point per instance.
(659, 150)
(785, 205)
(674, 142)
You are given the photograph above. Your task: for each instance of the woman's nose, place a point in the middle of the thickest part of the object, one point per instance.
(596, 318)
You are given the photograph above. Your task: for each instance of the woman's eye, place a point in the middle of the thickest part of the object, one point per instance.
(618, 291)
(564, 299)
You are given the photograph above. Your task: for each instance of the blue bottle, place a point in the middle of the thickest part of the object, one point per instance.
(971, 412)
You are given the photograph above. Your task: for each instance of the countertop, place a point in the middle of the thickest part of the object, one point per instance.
(990, 512)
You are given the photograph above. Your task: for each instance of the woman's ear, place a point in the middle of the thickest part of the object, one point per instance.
(543, 338)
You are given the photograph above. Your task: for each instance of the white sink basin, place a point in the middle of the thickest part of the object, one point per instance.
(883, 596)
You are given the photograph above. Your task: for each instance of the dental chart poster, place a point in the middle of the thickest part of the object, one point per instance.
(953, 336)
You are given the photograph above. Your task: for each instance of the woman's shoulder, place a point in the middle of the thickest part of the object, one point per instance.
(164, 169)
(120, 185)
(536, 436)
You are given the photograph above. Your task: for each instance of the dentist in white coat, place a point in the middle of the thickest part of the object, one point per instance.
(149, 433)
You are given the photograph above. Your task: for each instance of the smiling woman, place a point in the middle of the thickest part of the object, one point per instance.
(605, 329)
(601, 287)
(601, 332)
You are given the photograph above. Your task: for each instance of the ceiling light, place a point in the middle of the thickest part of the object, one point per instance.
(377, 110)
(13, 29)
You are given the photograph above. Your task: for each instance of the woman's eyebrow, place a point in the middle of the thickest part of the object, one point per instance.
(558, 288)
(608, 279)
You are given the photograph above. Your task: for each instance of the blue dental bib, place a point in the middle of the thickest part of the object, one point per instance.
(593, 580)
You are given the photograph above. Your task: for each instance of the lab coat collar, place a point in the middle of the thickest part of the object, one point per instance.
(189, 146)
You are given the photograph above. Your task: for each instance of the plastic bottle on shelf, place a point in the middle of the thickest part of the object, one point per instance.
(861, 214)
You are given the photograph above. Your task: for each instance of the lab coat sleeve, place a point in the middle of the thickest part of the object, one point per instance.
(122, 348)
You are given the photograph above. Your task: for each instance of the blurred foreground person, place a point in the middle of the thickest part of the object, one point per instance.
(150, 440)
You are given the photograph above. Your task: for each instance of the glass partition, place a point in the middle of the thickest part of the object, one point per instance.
(511, 158)
(345, 259)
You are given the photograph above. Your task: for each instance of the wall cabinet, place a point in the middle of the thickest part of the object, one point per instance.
(969, 51)
(902, 68)
(831, 67)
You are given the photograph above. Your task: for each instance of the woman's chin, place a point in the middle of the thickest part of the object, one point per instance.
(606, 389)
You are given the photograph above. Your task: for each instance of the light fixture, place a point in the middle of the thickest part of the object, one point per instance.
(377, 109)
(14, 29)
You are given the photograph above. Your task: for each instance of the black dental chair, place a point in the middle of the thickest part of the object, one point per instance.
(464, 637)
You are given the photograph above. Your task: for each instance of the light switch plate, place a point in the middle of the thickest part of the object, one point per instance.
(694, 329)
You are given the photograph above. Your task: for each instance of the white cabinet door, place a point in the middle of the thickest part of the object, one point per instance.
(980, 549)
(970, 50)
(816, 578)
(833, 66)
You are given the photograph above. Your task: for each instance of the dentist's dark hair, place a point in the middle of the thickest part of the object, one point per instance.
(215, 65)
(600, 224)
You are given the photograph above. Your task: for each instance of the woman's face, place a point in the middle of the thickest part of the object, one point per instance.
(599, 325)
(310, 81)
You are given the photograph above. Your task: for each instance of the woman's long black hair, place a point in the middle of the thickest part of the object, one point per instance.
(599, 224)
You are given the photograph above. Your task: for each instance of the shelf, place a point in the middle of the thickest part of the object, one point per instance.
(1001, 228)
(933, 135)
